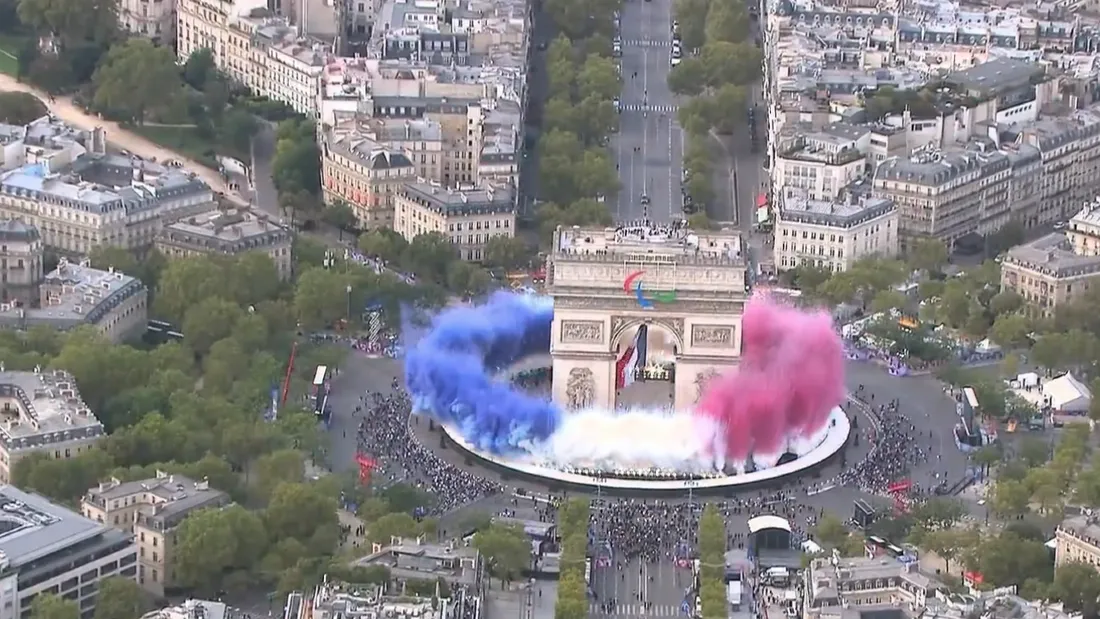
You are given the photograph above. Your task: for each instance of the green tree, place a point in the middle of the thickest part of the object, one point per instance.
(1010, 498)
(340, 215)
(213, 543)
(119, 598)
(285, 466)
(939, 513)
(383, 243)
(467, 279)
(390, 526)
(886, 300)
(830, 531)
(136, 78)
(689, 77)
(320, 298)
(700, 221)
(1077, 585)
(20, 108)
(692, 15)
(199, 68)
(303, 512)
(1005, 302)
(1010, 330)
(730, 63)
(727, 22)
(598, 77)
(929, 255)
(52, 606)
(73, 21)
(296, 166)
(507, 550)
(429, 256)
(507, 253)
(237, 129)
(210, 320)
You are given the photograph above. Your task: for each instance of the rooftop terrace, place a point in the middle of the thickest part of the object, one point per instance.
(50, 410)
(667, 244)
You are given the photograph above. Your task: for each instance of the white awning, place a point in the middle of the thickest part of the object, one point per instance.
(760, 523)
(1066, 393)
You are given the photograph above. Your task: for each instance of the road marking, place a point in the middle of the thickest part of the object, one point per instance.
(657, 109)
(634, 610)
(646, 43)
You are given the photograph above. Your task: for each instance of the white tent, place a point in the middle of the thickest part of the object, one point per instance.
(1027, 380)
(1067, 394)
(987, 346)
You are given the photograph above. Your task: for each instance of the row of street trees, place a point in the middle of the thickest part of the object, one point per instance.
(712, 564)
(577, 174)
(573, 520)
(117, 598)
(192, 407)
(721, 64)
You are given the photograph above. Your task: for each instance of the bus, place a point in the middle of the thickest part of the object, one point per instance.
(877, 545)
(321, 388)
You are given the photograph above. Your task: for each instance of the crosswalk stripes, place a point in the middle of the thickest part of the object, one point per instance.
(656, 109)
(635, 610)
(647, 43)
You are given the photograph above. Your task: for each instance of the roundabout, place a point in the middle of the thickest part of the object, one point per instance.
(638, 482)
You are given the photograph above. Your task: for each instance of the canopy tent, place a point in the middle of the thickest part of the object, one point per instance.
(987, 346)
(1027, 379)
(760, 523)
(1067, 394)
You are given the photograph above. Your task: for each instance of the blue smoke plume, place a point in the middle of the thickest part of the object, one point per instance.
(448, 372)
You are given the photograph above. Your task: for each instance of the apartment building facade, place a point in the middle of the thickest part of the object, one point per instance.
(1057, 268)
(229, 232)
(150, 510)
(821, 163)
(21, 263)
(947, 195)
(862, 583)
(46, 548)
(42, 412)
(153, 19)
(833, 234)
(256, 48)
(1077, 539)
(469, 217)
(364, 174)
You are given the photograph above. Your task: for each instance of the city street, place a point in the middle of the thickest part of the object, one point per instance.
(649, 146)
(633, 583)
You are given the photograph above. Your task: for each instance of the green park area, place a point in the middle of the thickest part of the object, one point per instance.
(9, 54)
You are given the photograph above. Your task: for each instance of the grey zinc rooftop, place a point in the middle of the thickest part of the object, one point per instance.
(935, 168)
(845, 212)
(172, 497)
(31, 527)
(996, 76)
(13, 230)
(50, 410)
(227, 231)
(75, 294)
(103, 184)
(1052, 255)
(484, 199)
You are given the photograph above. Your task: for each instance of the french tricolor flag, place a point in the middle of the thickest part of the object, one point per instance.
(633, 359)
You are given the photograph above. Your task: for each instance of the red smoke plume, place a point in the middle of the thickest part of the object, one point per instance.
(790, 378)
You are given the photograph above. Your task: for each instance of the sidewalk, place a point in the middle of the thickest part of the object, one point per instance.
(63, 108)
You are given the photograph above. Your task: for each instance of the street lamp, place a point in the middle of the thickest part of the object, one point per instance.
(349, 304)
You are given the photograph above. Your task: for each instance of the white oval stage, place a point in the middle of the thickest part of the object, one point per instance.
(835, 438)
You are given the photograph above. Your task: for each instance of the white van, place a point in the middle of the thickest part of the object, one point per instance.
(777, 577)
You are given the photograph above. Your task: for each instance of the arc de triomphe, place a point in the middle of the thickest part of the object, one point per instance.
(607, 281)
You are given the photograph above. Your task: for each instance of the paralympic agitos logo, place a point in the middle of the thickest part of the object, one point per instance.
(633, 285)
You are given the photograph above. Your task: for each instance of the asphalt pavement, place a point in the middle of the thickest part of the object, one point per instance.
(640, 588)
(649, 146)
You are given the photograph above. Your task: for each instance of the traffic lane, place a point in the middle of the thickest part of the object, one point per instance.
(629, 145)
(658, 164)
(358, 375)
(928, 408)
(666, 589)
(675, 171)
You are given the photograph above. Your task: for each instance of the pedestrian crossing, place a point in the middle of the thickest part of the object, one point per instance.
(656, 109)
(635, 610)
(647, 43)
